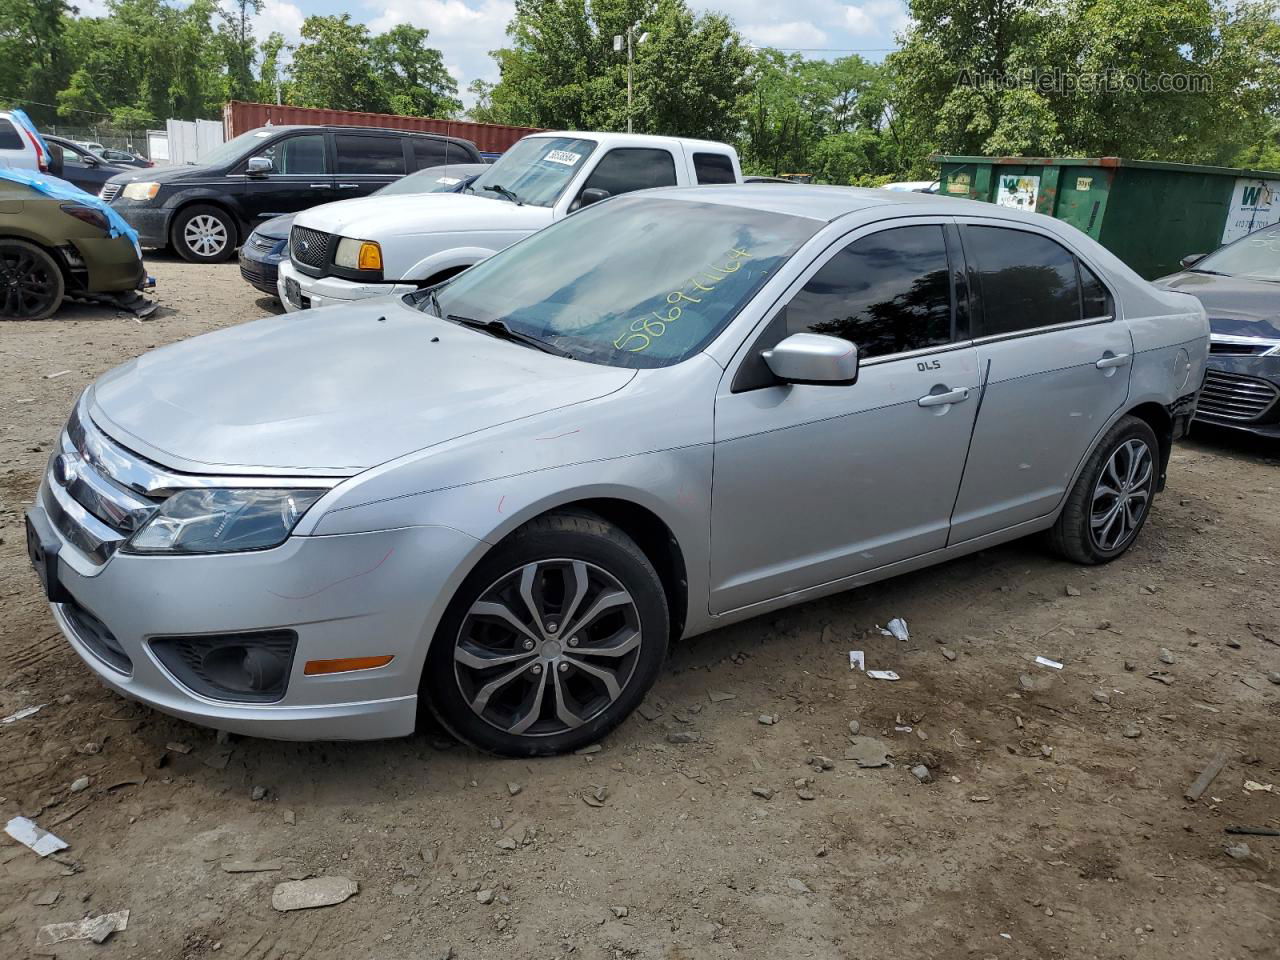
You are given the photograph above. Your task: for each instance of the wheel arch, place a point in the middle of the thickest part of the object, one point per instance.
(1157, 417)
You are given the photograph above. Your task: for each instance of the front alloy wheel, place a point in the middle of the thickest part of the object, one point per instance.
(551, 641)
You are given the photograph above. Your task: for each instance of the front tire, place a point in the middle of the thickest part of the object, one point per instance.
(1111, 498)
(31, 282)
(203, 233)
(551, 642)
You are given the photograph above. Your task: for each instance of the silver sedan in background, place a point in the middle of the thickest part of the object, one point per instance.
(503, 498)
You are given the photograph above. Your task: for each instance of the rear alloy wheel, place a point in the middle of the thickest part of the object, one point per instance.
(31, 283)
(204, 234)
(551, 642)
(1112, 496)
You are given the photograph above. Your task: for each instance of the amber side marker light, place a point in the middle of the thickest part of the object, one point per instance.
(345, 665)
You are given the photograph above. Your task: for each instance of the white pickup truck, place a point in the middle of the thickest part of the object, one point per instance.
(379, 245)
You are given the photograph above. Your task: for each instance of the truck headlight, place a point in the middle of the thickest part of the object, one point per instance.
(140, 191)
(223, 520)
(358, 254)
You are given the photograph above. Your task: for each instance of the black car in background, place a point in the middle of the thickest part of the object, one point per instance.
(82, 167)
(261, 254)
(1239, 285)
(205, 211)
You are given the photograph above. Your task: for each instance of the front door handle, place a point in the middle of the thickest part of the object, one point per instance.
(1112, 360)
(941, 399)
(347, 186)
(321, 186)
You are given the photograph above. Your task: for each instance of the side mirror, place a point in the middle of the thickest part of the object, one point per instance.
(56, 160)
(813, 358)
(1191, 260)
(592, 195)
(258, 166)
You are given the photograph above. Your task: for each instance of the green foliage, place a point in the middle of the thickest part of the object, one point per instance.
(33, 65)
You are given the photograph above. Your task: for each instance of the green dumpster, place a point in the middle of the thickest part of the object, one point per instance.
(1148, 214)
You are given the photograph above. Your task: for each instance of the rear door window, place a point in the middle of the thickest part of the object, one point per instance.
(1025, 280)
(713, 168)
(364, 154)
(633, 168)
(889, 293)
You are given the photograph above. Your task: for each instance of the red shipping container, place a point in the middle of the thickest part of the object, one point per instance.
(239, 116)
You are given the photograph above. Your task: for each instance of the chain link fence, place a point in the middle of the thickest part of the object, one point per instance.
(114, 138)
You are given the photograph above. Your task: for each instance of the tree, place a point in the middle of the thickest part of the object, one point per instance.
(332, 67)
(413, 75)
(270, 82)
(482, 94)
(239, 46)
(33, 65)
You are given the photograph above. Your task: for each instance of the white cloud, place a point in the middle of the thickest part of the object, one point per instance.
(795, 33)
(279, 16)
(875, 16)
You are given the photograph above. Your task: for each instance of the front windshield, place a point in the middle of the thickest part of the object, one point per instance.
(536, 169)
(234, 147)
(430, 180)
(1255, 257)
(635, 281)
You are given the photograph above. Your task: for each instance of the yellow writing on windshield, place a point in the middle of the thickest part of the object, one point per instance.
(641, 333)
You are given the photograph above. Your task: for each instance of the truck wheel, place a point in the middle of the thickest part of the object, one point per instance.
(204, 234)
(31, 282)
(1112, 496)
(551, 641)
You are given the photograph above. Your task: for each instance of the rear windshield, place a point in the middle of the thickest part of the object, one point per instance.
(635, 281)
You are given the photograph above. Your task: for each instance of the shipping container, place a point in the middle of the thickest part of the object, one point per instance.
(1148, 214)
(239, 116)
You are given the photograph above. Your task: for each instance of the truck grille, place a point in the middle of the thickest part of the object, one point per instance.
(109, 191)
(1230, 396)
(309, 248)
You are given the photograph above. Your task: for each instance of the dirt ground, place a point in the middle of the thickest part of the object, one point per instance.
(1054, 826)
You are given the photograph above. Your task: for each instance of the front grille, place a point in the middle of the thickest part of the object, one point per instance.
(95, 489)
(1230, 396)
(93, 633)
(109, 191)
(309, 248)
(259, 242)
(1240, 348)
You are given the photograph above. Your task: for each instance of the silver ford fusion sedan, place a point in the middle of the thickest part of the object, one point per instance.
(503, 498)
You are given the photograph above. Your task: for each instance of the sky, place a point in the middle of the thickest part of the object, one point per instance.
(466, 30)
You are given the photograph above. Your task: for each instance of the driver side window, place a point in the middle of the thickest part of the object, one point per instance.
(632, 168)
(302, 155)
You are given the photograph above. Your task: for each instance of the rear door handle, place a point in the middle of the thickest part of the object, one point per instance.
(941, 399)
(347, 186)
(1114, 360)
(321, 186)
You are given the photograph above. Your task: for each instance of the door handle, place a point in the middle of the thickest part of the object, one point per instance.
(941, 399)
(1114, 360)
(321, 186)
(347, 186)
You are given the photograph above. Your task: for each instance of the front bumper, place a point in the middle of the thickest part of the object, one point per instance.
(110, 265)
(260, 272)
(329, 291)
(344, 596)
(1242, 393)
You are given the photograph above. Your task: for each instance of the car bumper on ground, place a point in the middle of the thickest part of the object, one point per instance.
(1242, 393)
(150, 221)
(358, 595)
(297, 291)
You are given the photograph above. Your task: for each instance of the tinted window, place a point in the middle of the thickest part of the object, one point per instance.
(9, 139)
(627, 169)
(1026, 280)
(1095, 300)
(713, 168)
(431, 153)
(369, 154)
(297, 155)
(888, 293)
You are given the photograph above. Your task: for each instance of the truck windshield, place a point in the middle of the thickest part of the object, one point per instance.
(636, 281)
(1255, 257)
(535, 170)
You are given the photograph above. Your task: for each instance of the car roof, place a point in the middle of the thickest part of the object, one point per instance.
(349, 128)
(634, 139)
(819, 202)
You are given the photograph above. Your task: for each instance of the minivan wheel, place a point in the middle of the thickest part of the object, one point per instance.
(1112, 496)
(551, 641)
(204, 234)
(31, 283)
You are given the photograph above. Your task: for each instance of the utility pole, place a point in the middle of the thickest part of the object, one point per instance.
(617, 46)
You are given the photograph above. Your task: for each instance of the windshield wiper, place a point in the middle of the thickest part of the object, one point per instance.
(496, 328)
(503, 192)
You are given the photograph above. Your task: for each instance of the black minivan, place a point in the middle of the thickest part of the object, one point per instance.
(205, 211)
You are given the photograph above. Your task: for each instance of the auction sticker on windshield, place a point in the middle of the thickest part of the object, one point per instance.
(567, 157)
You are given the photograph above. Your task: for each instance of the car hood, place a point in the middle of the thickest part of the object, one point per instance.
(331, 391)
(165, 174)
(417, 214)
(1236, 306)
(277, 228)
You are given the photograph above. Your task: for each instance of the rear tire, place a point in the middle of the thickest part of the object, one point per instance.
(551, 642)
(1111, 499)
(31, 282)
(203, 233)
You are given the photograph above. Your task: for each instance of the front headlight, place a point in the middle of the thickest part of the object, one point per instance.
(358, 254)
(140, 191)
(223, 521)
